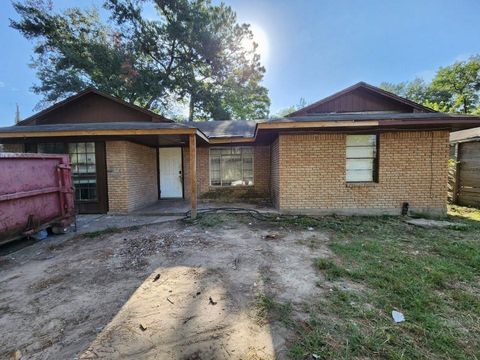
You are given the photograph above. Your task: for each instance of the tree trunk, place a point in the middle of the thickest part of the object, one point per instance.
(191, 109)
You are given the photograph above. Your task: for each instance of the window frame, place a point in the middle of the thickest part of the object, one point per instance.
(79, 176)
(229, 147)
(375, 169)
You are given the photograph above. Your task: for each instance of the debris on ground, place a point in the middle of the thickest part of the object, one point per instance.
(211, 302)
(156, 277)
(429, 223)
(136, 250)
(271, 236)
(397, 316)
(143, 328)
(196, 275)
(16, 355)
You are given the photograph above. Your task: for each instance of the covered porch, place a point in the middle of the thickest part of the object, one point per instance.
(122, 162)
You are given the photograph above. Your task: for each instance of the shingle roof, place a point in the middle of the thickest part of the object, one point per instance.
(465, 135)
(247, 128)
(373, 116)
(225, 128)
(95, 126)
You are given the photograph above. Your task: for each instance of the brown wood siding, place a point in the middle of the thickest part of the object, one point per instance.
(360, 100)
(92, 108)
(468, 176)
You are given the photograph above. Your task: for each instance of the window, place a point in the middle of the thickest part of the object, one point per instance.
(51, 148)
(82, 158)
(361, 158)
(231, 166)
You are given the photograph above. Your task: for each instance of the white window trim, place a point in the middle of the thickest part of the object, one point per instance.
(375, 169)
(230, 186)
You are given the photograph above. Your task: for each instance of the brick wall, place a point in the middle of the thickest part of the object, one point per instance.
(412, 168)
(12, 148)
(131, 176)
(275, 173)
(261, 174)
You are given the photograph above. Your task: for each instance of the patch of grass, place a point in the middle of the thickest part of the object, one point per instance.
(272, 310)
(107, 231)
(410, 269)
(332, 271)
(296, 220)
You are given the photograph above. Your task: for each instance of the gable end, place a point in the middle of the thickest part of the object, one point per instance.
(362, 98)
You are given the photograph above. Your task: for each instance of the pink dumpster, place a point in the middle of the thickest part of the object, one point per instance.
(35, 194)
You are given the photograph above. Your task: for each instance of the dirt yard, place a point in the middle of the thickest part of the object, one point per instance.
(165, 291)
(238, 287)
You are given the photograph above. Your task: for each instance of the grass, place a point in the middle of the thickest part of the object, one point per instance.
(431, 275)
(213, 220)
(271, 310)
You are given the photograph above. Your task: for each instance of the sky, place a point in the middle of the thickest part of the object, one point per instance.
(310, 49)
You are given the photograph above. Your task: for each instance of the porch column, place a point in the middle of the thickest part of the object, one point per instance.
(192, 145)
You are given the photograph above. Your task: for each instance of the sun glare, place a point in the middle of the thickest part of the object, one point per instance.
(260, 37)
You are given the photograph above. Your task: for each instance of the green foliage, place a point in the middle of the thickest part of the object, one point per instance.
(431, 275)
(190, 53)
(455, 88)
(284, 112)
(272, 310)
(332, 271)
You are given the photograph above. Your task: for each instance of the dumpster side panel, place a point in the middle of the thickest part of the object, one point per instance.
(35, 191)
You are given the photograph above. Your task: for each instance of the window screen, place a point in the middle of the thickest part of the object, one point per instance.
(231, 166)
(361, 158)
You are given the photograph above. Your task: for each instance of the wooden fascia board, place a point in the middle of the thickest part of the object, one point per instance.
(231, 140)
(201, 135)
(100, 132)
(314, 124)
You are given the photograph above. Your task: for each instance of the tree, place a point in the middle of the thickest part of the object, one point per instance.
(284, 112)
(455, 88)
(416, 90)
(191, 54)
(460, 84)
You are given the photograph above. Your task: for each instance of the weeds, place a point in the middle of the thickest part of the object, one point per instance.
(271, 310)
(414, 270)
(332, 271)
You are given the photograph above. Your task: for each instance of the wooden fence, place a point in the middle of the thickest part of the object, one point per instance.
(464, 176)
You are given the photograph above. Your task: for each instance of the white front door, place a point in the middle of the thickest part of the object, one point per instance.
(170, 168)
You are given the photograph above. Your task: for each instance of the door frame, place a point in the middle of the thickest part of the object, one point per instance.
(158, 173)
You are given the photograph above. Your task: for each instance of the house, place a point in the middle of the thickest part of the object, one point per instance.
(360, 151)
(465, 146)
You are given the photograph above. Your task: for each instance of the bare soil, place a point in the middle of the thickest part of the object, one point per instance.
(96, 297)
